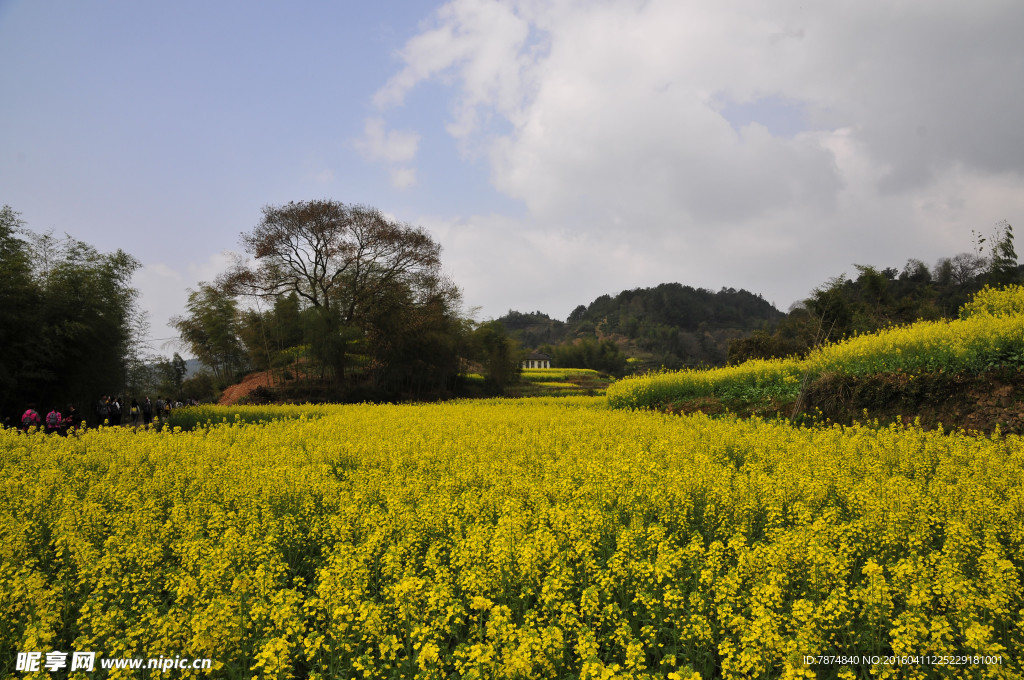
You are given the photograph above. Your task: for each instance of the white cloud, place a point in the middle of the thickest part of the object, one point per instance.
(482, 39)
(605, 119)
(392, 146)
(164, 293)
(403, 178)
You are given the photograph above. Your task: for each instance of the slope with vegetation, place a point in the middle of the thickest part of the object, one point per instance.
(903, 367)
(539, 382)
(673, 326)
(882, 297)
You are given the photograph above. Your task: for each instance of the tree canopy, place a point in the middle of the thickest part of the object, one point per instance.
(346, 258)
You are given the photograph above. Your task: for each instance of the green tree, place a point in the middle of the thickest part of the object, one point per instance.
(200, 387)
(19, 301)
(286, 322)
(267, 333)
(88, 314)
(253, 333)
(873, 294)
(1003, 261)
(943, 272)
(498, 353)
(415, 344)
(830, 304)
(210, 329)
(171, 374)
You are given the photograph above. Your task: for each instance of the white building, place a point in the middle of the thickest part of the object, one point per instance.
(537, 360)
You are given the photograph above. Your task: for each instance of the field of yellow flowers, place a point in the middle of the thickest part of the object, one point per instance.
(989, 334)
(534, 538)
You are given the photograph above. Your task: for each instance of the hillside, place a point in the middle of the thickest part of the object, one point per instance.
(965, 372)
(672, 326)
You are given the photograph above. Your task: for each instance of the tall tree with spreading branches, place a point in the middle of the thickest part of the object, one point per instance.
(345, 261)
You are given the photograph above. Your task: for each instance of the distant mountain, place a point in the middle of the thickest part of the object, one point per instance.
(670, 325)
(192, 366)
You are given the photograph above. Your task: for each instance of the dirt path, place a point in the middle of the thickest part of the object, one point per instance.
(232, 394)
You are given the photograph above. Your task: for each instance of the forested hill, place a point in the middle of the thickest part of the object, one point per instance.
(677, 306)
(670, 325)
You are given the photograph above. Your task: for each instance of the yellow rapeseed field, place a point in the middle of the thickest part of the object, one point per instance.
(1005, 301)
(540, 538)
(542, 374)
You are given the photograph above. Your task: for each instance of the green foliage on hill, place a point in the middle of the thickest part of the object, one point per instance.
(584, 353)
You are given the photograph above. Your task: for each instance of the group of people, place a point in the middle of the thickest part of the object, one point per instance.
(109, 411)
(55, 422)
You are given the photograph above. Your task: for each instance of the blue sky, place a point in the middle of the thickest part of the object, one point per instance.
(557, 150)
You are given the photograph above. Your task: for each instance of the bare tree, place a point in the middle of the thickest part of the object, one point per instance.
(968, 266)
(334, 256)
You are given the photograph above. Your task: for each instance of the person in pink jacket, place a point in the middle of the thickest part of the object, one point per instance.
(30, 418)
